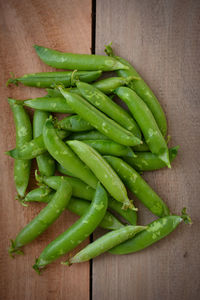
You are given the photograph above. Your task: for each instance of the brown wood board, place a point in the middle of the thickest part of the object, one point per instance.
(62, 25)
(161, 39)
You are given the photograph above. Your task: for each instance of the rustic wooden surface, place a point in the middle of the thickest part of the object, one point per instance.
(161, 39)
(66, 26)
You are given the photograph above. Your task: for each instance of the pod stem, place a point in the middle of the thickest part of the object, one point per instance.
(108, 50)
(12, 80)
(13, 249)
(21, 200)
(36, 268)
(129, 204)
(66, 263)
(186, 218)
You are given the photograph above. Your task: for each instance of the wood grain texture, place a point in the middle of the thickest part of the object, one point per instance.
(62, 25)
(161, 39)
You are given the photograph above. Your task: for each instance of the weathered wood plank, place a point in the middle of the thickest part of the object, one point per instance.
(66, 26)
(161, 39)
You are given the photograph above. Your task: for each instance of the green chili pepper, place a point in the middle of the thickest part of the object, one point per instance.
(78, 232)
(109, 107)
(147, 161)
(102, 171)
(44, 219)
(65, 156)
(104, 243)
(142, 89)
(23, 135)
(100, 121)
(155, 231)
(147, 123)
(83, 62)
(50, 79)
(138, 186)
(45, 162)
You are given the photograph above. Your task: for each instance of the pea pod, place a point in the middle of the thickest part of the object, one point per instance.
(33, 148)
(143, 91)
(40, 194)
(78, 232)
(138, 186)
(83, 62)
(147, 123)
(44, 219)
(73, 123)
(96, 135)
(23, 135)
(102, 171)
(80, 207)
(46, 164)
(98, 120)
(56, 105)
(109, 107)
(50, 79)
(104, 243)
(64, 171)
(65, 156)
(155, 231)
(81, 190)
(147, 161)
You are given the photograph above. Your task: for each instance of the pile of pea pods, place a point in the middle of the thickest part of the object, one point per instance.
(101, 150)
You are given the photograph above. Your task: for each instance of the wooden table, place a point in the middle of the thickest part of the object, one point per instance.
(161, 39)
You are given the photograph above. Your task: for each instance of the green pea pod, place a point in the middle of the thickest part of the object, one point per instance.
(96, 135)
(56, 105)
(23, 135)
(107, 86)
(147, 123)
(143, 91)
(40, 194)
(102, 171)
(109, 107)
(98, 120)
(78, 232)
(50, 79)
(155, 231)
(138, 186)
(45, 162)
(107, 147)
(62, 170)
(73, 123)
(147, 161)
(104, 243)
(88, 135)
(44, 219)
(81, 190)
(83, 62)
(65, 156)
(33, 148)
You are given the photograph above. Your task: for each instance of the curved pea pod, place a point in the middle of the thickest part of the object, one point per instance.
(155, 231)
(138, 186)
(50, 79)
(88, 135)
(73, 123)
(107, 147)
(44, 219)
(41, 194)
(56, 105)
(46, 164)
(78, 232)
(83, 62)
(143, 91)
(99, 120)
(23, 135)
(109, 107)
(104, 243)
(147, 123)
(102, 171)
(33, 148)
(147, 161)
(65, 156)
